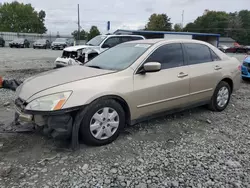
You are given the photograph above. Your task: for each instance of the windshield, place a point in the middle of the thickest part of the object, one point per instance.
(41, 41)
(61, 40)
(18, 40)
(119, 57)
(96, 41)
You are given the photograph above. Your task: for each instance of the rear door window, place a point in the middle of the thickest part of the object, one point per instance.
(197, 53)
(112, 41)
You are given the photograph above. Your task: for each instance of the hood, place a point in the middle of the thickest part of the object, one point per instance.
(39, 43)
(80, 47)
(57, 77)
(75, 48)
(58, 42)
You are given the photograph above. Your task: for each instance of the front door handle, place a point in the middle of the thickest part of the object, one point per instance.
(182, 75)
(217, 67)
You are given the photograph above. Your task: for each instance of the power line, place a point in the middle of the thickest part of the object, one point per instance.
(78, 22)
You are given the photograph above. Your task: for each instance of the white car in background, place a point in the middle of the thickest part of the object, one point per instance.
(77, 55)
(223, 48)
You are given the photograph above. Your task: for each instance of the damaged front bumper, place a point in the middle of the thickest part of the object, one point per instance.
(56, 124)
(64, 62)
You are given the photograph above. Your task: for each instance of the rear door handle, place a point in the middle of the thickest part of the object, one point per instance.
(217, 67)
(182, 75)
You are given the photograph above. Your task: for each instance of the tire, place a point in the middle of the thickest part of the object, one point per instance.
(214, 106)
(92, 109)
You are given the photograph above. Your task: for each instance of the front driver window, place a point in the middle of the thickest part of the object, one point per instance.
(111, 42)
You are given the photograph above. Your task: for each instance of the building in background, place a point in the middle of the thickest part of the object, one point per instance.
(226, 41)
(207, 37)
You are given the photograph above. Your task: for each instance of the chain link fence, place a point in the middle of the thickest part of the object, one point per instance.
(31, 37)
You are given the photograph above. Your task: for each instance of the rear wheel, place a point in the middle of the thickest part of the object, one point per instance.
(221, 97)
(102, 122)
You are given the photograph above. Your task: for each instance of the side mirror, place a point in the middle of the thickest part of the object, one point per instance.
(150, 67)
(106, 46)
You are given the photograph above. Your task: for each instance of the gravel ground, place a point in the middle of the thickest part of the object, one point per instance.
(194, 148)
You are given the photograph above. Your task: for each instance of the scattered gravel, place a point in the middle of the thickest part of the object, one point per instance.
(195, 148)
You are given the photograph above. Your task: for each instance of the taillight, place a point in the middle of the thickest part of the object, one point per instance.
(239, 67)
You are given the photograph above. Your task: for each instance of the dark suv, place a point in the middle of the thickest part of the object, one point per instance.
(2, 42)
(20, 43)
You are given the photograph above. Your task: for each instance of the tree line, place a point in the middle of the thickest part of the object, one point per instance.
(235, 25)
(19, 17)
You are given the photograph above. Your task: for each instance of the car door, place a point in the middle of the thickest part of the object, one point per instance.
(204, 70)
(166, 89)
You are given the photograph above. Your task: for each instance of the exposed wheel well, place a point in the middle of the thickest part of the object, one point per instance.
(92, 55)
(123, 103)
(230, 82)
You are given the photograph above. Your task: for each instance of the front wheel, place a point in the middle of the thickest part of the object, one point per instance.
(102, 122)
(221, 97)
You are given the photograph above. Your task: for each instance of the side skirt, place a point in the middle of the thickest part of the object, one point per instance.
(168, 112)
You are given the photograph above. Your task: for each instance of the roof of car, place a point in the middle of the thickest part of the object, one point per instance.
(154, 41)
(124, 36)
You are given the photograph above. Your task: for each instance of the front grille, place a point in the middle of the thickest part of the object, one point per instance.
(245, 73)
(20, 103)
(246, 64)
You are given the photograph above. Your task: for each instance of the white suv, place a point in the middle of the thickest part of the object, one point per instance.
(76, 55)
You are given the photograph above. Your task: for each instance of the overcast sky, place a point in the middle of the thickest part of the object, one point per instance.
(61, 15)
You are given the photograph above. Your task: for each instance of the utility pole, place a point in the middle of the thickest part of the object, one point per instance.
(182, 20)
(78, 24)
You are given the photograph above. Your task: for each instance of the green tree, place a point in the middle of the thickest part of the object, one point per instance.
(235, 25)
(159, 22)
(93, 32)
(190, 27)
(19, 17)
(177, 27)
(83, 34)
(212, 22)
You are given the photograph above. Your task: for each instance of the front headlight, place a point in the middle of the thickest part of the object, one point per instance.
(49, 102)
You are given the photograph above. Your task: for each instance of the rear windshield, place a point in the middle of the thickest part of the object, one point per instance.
(61, 40)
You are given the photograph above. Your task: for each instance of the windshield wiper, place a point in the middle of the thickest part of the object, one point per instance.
(94, 66)
(90, 44)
